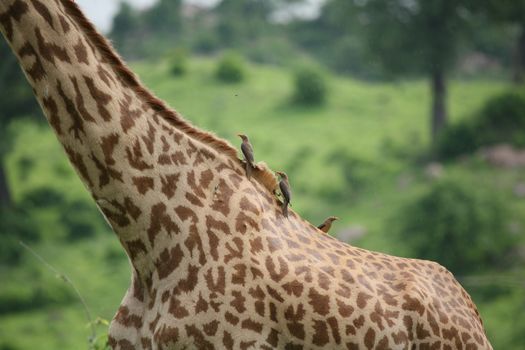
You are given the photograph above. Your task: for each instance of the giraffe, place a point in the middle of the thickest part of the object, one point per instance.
(215, 264)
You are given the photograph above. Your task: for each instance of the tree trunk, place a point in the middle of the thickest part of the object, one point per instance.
(5, 195)
(439, 103)
(519, 57)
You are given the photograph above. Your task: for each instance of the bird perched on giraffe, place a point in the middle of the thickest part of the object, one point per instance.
(284, 186)
(247, 152)
(327, 224)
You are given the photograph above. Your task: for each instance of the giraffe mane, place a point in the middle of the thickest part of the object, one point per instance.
(263, 174)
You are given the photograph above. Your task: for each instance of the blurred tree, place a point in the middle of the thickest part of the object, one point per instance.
(164, 17)
(336, 39)
(240, 21)
(414, 37)
(126, 23)
(513, 13)
(16, 100)
(462, 226)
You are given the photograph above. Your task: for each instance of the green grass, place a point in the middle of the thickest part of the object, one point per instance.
(357, 148)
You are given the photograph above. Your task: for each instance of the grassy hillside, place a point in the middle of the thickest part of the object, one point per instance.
(354, 158)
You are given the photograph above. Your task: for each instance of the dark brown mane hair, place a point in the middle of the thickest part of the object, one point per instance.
(264, 175)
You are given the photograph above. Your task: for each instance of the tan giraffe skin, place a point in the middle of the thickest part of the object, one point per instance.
(215, 264)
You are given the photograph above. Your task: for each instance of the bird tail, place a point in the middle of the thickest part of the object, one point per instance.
(248, 170)
(285, 208)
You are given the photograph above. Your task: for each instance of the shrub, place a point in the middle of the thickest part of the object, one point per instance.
(179, 62)
(310, 87)
(465, 228)
(80, 220)
(15, 225)
(501, 120)
(230, 69)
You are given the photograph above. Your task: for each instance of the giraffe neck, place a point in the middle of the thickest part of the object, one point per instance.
(133, 154)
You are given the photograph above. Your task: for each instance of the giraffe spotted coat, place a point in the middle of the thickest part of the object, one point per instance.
(215, 264)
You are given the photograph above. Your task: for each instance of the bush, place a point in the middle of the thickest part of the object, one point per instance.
(230, 69)
(15, 225)
(179, 63)
(310, 87)
(465, 228)
(501, 120)
(80, 219)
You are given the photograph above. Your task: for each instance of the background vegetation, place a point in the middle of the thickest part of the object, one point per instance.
(421, 155)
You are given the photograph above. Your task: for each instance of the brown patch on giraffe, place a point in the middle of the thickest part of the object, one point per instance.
(176, 309)
(168, 261)
(136, 247)
(135, 157)
(127, 319)
(238, 301)
(81, 52)
(159, 219)
(294, 288)
(187, 284)
(166, 335)
(194, 199)
(143, 183)
(77, 121)
(201, 305)
(362, 299)
(169, 184)
(125, 345)
(178, 158)
(106, 78)
(224, 194)
(273, 337)
(319, 302)
(100, 97)
(234, 252)
(218, 285)
(227, 341)
(231, 318)
(243, 222)
(108, 144)
(344, 309)
(127, 115)
(320, 337)
(194, 240)
(105, 172)
(275, 275)
(63, 23)
(52, 111)
(197, 188)
(15, 13)
(43, 11)
(78, 161)
(149, 138)
(131, 208)
(50, 51)
(239, 276)
(36, 71)
(412, 304)
(370, 338)
(185, 213)
(294, 317)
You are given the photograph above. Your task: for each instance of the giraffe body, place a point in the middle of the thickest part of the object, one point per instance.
(215, 264)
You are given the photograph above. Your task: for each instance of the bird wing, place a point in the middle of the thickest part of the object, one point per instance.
(247, 151)
(285, 190)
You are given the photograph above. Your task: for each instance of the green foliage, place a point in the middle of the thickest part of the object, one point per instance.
(463, 227)
(230, 68)
(179, 62)
(80, 219)
(310, 86)
(15, 225)
(501, 120)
